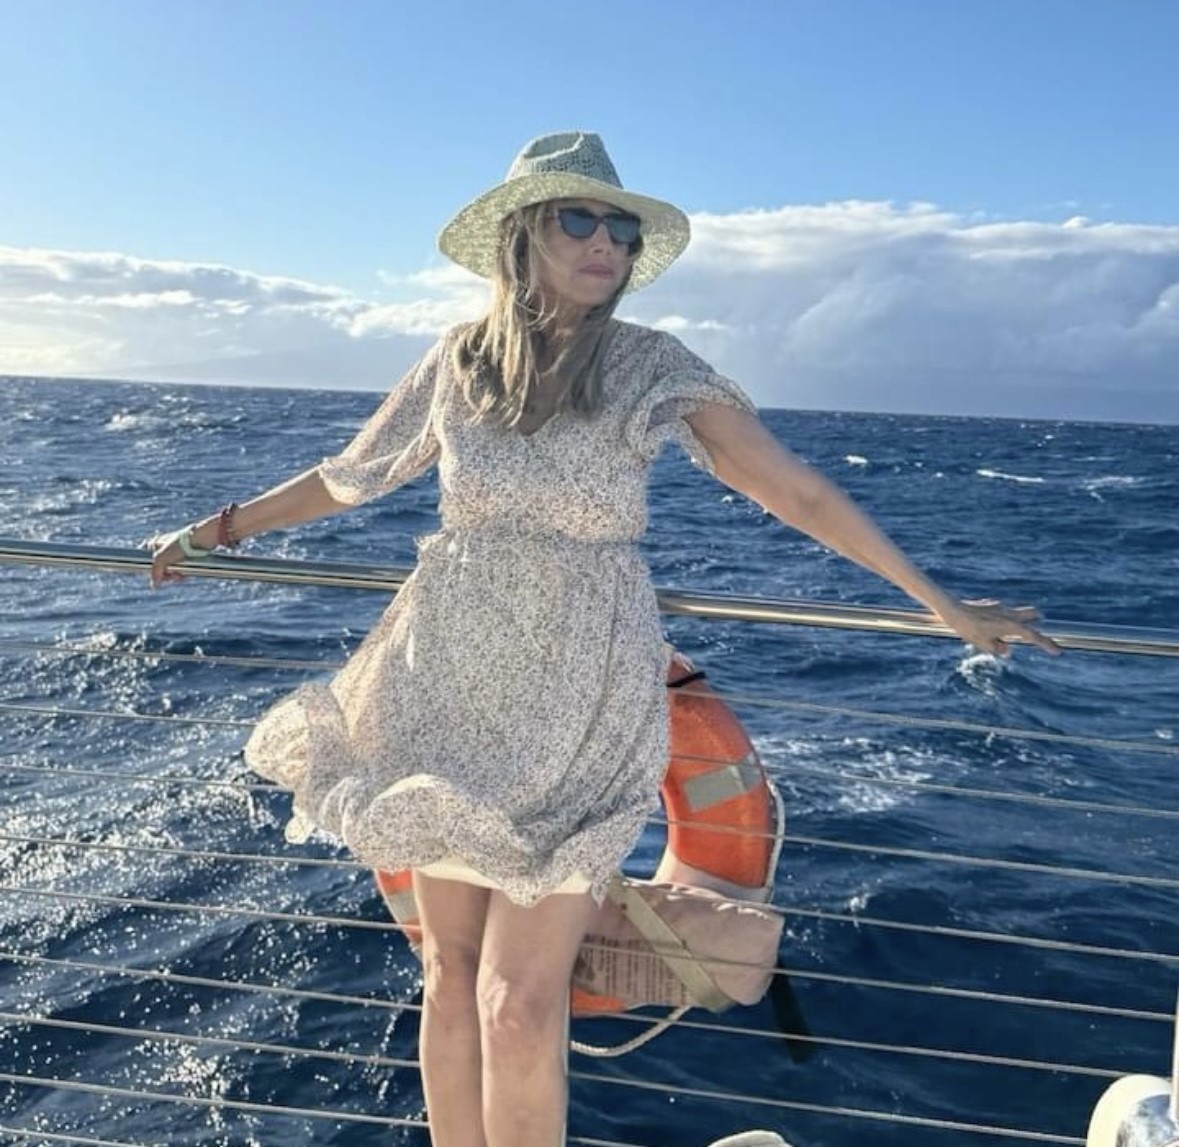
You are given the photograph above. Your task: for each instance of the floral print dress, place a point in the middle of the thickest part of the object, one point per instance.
(509, 708)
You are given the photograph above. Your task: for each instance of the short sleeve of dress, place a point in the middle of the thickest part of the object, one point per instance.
(396, 444)
(676, 383)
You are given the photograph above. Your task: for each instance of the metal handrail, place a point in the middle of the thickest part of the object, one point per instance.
(1076, 635)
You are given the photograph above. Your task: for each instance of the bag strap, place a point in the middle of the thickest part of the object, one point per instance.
(669, 947)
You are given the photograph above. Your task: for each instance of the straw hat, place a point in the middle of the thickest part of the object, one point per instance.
(564, 165)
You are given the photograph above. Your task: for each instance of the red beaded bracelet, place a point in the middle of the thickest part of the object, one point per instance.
(226, 538)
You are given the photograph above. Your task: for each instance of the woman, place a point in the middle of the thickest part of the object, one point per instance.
(503, 729)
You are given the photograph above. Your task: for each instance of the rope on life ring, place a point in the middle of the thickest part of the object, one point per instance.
(724, 818)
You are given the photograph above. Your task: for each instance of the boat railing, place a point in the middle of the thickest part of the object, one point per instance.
(775, 1110)
(728, 607)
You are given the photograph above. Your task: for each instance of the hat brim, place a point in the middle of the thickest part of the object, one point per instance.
(472, 237)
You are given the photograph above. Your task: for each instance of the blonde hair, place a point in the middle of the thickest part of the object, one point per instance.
(503, 359)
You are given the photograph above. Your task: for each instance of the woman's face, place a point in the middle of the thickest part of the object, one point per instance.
(579, 274)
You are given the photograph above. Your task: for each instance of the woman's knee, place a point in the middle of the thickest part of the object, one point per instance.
(520, 1015)
(449, 975)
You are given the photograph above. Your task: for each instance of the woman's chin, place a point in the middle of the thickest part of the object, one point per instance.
(592, 294)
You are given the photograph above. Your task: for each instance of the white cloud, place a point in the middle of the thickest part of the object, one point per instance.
(842, 305)
(875, 307)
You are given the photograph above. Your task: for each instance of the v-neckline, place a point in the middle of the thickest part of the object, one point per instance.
(610, 334)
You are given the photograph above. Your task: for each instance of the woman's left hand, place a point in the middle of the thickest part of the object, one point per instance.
(989, 625)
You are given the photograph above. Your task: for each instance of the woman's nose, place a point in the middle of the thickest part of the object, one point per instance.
(600, 239)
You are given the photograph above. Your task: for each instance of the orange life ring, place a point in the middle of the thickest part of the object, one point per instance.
(721, 814)
(721, 811)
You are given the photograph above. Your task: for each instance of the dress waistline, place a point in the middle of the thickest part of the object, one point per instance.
(505, 541)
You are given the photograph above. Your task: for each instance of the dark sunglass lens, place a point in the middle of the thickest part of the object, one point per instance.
(623, 228)
(576, 222)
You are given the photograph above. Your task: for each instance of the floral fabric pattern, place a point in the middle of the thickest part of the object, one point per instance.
(509, 708)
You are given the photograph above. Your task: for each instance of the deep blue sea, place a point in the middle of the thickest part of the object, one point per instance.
(1080, 519)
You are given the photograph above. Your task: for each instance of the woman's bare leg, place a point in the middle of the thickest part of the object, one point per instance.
(453, 916)
(524, 975)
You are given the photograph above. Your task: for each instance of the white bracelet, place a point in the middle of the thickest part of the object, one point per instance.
(184, 540)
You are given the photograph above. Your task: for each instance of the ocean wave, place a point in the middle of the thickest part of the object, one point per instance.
(871, 777)
(126, 421)
(982, 672)
(1022, 478)
(72, 493)
(1110, 482)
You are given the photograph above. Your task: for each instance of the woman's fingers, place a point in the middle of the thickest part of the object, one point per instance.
(995, 623)
(1040, 640)
(1019, 625)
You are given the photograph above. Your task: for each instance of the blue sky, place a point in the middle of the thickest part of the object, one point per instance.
(327, 142)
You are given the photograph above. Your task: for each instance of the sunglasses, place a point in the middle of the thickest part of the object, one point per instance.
(580, 223)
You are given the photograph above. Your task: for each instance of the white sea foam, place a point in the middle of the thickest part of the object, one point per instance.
(83, 493)
(127, 422)
(860, 901)
(1022, 478)
(981, 670)
(1114, 480)
(1110, 481)
(865, 762)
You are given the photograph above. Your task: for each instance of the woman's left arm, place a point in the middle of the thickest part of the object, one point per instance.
(748, 458)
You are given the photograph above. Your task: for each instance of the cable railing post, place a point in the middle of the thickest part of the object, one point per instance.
(1175, 1068)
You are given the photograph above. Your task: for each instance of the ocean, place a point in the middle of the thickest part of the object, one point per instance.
(913, 851)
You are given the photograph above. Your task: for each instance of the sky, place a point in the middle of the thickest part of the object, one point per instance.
(933, 206)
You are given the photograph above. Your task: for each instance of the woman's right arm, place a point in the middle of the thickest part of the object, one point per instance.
(302, 499)
(394, 446)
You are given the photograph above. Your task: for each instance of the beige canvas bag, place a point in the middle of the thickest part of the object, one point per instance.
(678, 946)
